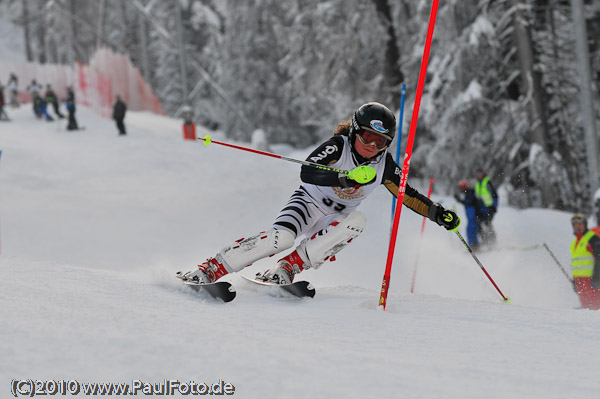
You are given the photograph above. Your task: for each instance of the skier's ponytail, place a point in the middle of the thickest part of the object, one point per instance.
(343, 129)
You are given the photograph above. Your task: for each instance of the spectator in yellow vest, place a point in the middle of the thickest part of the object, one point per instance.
(488, 197)
(585, 263)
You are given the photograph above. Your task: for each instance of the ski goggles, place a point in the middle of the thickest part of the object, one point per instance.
(366, 137)
(578, 219)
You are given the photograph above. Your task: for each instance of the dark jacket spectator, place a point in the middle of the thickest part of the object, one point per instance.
(119, 110)
(70, 104)
(3, 115)
(52, 100)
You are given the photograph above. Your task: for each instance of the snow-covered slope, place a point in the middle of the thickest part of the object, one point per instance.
(93, 227)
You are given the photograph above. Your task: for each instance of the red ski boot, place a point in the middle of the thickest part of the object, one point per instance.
(208, 272)
(286, 268)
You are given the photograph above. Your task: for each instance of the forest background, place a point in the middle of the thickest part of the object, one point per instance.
(502, 90)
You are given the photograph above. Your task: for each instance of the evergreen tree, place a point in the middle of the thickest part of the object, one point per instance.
(502, 87)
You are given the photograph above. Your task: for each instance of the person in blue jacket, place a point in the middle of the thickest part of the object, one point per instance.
(472, 205)
(486, 192)
(71, 107)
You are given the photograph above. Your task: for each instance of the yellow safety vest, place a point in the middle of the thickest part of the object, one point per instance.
(482, 191)
(582, 260)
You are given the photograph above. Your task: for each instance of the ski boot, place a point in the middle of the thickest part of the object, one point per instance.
(208, 272)
(284, 271)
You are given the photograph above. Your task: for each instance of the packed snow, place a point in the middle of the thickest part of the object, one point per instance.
(93, 227)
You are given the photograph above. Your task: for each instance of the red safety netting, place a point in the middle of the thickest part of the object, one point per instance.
(96, 84)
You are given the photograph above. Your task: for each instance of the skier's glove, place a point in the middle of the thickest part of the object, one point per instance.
(359, 176)
(444, 217)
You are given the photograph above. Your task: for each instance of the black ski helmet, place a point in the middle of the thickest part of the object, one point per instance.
(376, 118)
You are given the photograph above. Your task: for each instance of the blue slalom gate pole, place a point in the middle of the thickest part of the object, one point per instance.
(399, 140)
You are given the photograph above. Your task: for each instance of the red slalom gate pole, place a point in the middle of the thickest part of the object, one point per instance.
(385, 285)
(414, 276)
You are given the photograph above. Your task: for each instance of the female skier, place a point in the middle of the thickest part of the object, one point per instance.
(323, 209)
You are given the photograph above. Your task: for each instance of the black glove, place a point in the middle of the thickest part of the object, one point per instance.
(595, 283)
(444, 217)
(345, 182)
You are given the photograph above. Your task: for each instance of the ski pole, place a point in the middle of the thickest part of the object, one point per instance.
(506, 299)
(562, 269)
(414, 276)
(560, 266)
(366, 170)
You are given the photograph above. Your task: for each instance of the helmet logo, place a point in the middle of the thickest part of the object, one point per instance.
(378, 126)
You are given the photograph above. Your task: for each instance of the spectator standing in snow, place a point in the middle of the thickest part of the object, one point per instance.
(3, 115)
(39, 107)
(13, 87)
(33, 88)
(486, 193)
(119, 110)
(36, 103)
(323, 209)
(472, 205)
(585, 263)
(52, 100)
(189, 129)
(70, 105)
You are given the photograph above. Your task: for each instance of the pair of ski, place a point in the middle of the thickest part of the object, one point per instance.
(225, 292)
